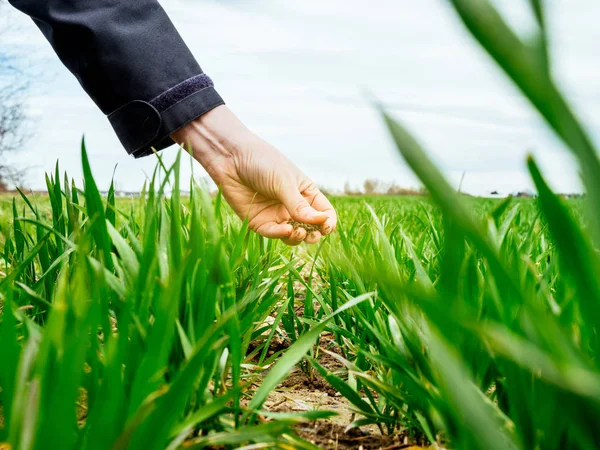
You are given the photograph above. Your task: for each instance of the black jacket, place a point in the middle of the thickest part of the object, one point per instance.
(131, 61)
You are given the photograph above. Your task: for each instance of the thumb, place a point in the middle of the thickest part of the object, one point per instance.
(299, 208)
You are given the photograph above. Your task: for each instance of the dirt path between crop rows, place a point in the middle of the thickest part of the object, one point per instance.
(299, 393)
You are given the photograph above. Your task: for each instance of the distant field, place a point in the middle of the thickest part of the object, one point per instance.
(344, 204)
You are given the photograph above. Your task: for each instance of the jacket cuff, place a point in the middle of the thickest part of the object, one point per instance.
(143, 126)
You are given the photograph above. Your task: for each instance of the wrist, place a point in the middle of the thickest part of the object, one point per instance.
(214, 139)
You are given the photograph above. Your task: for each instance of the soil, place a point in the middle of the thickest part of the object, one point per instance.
(329, 435)
(303, 392)
(299, 392)
(302, 382)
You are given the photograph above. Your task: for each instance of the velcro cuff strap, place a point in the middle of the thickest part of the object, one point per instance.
(136, 124)
(182, 90)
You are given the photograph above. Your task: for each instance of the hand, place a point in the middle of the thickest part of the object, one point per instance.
(257, 180)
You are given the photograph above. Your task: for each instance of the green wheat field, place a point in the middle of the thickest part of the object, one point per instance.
(442, 321)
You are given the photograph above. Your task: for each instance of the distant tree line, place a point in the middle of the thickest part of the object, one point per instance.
(373, 186)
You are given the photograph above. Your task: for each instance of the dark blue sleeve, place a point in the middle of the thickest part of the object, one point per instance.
(131, 61)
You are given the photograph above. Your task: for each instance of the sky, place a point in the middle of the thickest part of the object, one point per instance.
(300, 74)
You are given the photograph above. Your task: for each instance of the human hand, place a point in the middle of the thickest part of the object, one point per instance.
(258, 181)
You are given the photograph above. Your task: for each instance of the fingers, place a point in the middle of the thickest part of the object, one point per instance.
(299, 208)
(302, 236)
(274, 230)
(309, 207)
(296, 238)
(321, 203)
(288, 234)
(313, 238)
